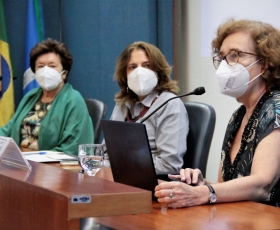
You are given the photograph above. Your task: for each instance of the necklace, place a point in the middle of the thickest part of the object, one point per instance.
(247, 133)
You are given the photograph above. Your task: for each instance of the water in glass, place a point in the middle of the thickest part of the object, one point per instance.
(91, 158)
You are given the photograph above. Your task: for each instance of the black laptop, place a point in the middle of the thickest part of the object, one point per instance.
(130, 154)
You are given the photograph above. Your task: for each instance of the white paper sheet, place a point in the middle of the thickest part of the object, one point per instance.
(47, 156)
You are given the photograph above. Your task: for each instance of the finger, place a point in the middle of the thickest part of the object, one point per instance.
(182, 175)
(163, 185)
(162, 193)
(158, 194)
(167, 185)
(165, 195)
(188, 175)
(166, 200)
(174, 177)
(196, 176)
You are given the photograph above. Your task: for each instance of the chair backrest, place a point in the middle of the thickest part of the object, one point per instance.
(202, 119)
(97, 111)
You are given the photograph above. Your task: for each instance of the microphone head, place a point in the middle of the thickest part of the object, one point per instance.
(199, 91)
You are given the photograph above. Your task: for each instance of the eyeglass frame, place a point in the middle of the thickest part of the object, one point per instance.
(224, 57)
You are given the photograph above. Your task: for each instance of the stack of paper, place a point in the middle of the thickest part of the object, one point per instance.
(47, 156)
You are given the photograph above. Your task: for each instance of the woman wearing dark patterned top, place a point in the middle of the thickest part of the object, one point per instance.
(247, 58)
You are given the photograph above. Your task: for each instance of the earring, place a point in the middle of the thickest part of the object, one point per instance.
(127, 89)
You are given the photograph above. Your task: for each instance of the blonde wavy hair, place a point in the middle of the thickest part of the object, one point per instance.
(158, 64)
(266, 40)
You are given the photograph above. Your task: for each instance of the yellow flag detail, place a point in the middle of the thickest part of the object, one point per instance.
(6, 85)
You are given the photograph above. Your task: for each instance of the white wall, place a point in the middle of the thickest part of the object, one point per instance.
(196, 69)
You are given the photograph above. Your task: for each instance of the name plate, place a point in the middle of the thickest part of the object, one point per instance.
(11, 154)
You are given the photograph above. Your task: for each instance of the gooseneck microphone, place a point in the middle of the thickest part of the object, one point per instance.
(197, 91)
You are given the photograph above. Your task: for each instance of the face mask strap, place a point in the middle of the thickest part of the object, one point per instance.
(254, 78)
(247, 82)
(252, 64)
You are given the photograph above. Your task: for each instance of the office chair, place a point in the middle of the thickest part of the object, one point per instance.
(202, 119)
(97, 111)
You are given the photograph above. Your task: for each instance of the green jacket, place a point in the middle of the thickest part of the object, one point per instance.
(66, 125)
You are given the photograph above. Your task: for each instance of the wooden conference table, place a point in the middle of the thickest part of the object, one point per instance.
(40, 200)
(237, 215)
(49, 197)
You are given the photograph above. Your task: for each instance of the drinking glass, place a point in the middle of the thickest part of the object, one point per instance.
(91, 158)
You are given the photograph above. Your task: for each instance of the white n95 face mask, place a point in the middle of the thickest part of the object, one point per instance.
(234, 80)
(48, 78)
(142, 81)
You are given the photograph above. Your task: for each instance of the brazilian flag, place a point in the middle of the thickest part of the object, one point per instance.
(6, 79)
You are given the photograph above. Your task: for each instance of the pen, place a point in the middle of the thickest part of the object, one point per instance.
(35, 153)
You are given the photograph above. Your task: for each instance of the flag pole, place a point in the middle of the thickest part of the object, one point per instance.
(60, 21)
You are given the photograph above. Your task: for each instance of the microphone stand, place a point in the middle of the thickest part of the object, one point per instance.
(197, 91)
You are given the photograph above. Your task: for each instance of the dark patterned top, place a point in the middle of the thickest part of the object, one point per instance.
(30, 126)
(268, 119)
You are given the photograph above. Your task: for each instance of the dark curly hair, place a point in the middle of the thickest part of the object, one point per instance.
(51, 46)
(266, 44)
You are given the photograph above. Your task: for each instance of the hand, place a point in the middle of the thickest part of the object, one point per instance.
(177, 194)
(189, 176)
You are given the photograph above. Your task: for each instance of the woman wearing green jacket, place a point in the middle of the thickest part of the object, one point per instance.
(53, 117)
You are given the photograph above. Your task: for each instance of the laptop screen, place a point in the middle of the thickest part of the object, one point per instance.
(129, 154)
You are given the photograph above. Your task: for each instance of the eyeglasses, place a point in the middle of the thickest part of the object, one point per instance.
(231, 58)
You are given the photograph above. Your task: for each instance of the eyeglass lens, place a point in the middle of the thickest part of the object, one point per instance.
(231, 58)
